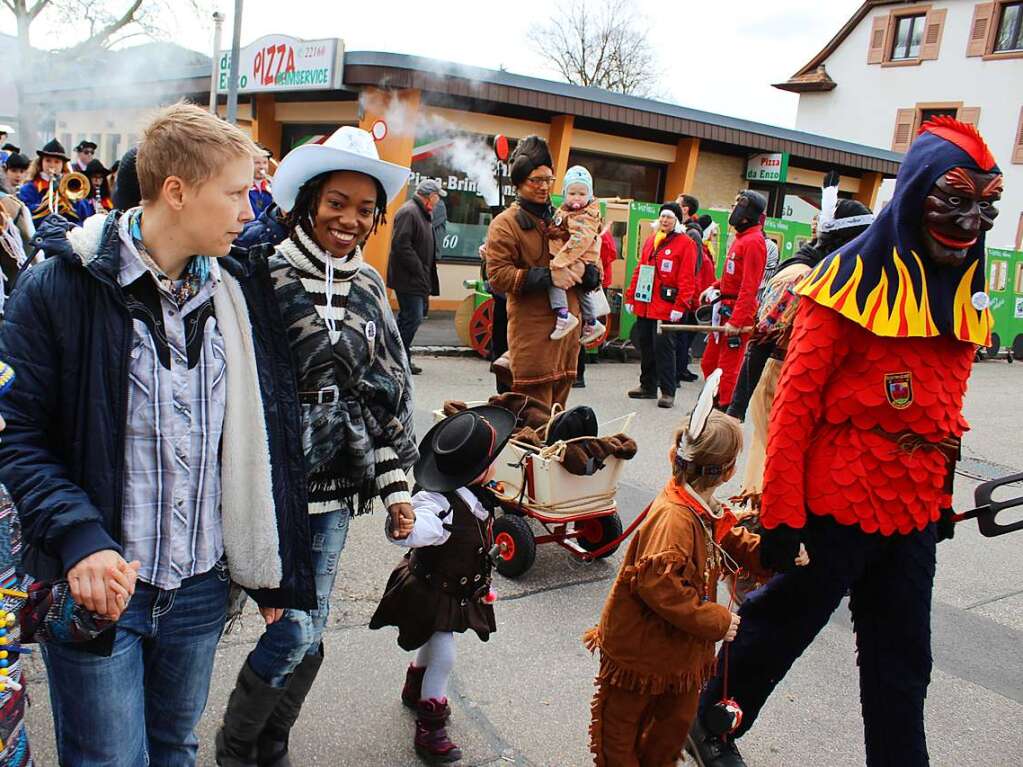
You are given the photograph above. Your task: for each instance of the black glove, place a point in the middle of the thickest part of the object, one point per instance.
(591, 278)
(537, 278)
(779, 547)
(946, 525)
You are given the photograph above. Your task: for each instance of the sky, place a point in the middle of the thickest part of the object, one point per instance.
(717, 55)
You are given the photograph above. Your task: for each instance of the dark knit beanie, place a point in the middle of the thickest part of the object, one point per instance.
(529, 154)
(126, 189)
(675, 209)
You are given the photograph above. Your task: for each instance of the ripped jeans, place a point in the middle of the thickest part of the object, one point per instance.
(298, 633)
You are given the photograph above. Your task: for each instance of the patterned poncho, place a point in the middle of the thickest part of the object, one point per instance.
(360, 441)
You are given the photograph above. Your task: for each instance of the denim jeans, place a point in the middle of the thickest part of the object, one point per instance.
(298, 633)
(411, 307)
(140, 706)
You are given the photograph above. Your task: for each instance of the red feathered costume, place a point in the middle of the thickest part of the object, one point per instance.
(862, 443)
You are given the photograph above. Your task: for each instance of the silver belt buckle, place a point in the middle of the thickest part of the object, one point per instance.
(328, 390)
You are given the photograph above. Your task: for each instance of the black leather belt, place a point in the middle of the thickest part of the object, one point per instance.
(323, 396)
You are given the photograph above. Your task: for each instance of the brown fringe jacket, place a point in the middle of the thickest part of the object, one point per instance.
(656, 634)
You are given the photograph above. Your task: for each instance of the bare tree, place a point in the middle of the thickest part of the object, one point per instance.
(70, 31)
(599, 43)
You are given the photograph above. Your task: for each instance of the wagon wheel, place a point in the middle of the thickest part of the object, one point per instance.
(1017, 347)
(517, 547)
(992, 351)
(598, 342)
(598, 532)
(463, 318)
(481, 328)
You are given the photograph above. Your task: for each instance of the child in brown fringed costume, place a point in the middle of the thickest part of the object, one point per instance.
(660, 623)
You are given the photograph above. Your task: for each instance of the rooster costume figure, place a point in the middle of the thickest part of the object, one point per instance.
(862, 445)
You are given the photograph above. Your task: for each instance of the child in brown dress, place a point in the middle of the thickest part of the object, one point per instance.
(442, 585)
(661, 620)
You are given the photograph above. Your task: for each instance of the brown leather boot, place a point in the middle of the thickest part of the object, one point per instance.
(412, 692)
(432, 742)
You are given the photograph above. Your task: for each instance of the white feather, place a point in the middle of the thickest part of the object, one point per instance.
(829, 202)
(698, 418)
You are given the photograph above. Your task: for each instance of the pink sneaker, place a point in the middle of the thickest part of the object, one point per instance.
(563, 326)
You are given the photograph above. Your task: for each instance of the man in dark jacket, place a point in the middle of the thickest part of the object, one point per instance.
(412, 266)
(147, 376)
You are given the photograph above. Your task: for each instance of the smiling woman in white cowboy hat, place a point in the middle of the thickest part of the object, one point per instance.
(356, 393)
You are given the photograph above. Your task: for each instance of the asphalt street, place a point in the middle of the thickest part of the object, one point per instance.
(523, 698)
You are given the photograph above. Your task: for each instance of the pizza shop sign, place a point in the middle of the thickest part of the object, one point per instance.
(770, 166)
(282, 63)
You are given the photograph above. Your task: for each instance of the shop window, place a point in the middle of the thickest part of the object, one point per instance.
(909, 33)
(1009, 36)
(465, 166)
(297, 134)
(619, 177)
(998, 276)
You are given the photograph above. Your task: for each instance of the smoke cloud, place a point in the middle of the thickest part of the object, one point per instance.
(465, 152)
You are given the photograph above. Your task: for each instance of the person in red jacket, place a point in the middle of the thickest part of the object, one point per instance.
(862, 444)
(736, 292)
(662, 288)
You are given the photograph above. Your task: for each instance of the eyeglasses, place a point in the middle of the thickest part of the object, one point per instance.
(541, 180)
(88, 151)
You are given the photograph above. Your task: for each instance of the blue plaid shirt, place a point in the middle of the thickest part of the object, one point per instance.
(176, 400)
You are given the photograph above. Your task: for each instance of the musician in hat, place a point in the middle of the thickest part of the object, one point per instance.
(442, 586)
(85, 153)
(99, 198)
(41, 193)
(863, 439)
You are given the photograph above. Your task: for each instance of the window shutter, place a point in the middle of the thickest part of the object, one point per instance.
(980, 27)
(1017, 147)
(878, 32)
(969, 115)
(933, 27)
(905, 121)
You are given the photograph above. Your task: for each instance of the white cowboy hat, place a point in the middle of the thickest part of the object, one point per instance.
(347, 148)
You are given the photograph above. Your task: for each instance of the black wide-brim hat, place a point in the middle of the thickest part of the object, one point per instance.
(461, 447)
(96, 168)
(53, 148)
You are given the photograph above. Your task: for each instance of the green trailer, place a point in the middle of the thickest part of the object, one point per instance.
(1005, 287)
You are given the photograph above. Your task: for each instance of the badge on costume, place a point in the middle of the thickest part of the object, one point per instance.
(666, 264)
(730, 266)
(898, 389)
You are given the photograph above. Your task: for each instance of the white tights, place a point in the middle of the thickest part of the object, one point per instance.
(438, 656)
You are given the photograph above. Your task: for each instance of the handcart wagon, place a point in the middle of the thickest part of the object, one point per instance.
(579, 513)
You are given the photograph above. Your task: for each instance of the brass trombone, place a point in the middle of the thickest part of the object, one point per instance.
(74, 186)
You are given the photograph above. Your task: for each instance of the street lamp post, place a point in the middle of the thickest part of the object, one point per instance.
(218, 25)
(232, 85)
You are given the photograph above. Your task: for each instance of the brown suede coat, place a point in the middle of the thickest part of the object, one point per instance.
(511, 252)
(656, 634)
